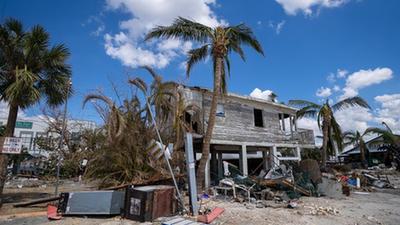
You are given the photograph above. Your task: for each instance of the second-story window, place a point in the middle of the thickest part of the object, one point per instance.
(258, 118)
(220, 110)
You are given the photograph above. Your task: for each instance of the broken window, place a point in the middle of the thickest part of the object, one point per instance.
(188, 118)
(258, 118)
(220, 110)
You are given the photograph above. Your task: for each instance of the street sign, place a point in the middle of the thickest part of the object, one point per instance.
(23, 124)
(11, 145)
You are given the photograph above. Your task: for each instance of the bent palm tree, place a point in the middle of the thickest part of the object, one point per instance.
(30, 70)
(357, 139)
(331, 130)
(217, 43)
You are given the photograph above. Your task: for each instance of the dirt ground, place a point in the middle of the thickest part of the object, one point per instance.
(381, 207)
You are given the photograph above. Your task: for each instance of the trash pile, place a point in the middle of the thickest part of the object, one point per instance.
(281, 183)
(359, 180)
(21, 182)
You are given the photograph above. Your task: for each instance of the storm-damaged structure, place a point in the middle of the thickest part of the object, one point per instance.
(248, 131)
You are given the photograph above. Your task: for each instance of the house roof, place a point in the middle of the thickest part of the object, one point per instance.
(356, 150)
(247, 98)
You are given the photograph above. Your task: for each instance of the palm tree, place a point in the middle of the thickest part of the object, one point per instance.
(30, 70)
(216, 43)
(331, 130)
(357, 139)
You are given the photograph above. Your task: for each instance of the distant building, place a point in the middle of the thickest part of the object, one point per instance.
(376, 154)
(32, 128)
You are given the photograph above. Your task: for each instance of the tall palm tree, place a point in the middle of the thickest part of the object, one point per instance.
(331, 130)
(217, 43)
(357, 139)
(30, 70)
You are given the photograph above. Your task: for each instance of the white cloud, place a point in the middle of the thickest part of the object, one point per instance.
(341, 73)
(128, 45)
(292, 7)
(323, 92)
(331, 78)
(389, 111)
(336, 88)
(355, 118)
(365, 78)
(277, 26)
(265, 95)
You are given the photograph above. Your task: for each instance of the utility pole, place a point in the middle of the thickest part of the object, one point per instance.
(60, 145)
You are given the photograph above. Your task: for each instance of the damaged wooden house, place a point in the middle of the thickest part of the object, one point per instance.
(248, 131)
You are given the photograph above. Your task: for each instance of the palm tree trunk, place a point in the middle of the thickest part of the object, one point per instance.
(9, 132)
(325, 134)
(362, 154)
(210, 126)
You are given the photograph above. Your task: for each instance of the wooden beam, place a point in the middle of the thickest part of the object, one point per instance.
(36, 202)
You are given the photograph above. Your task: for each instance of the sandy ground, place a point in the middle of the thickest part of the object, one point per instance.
(381, 207)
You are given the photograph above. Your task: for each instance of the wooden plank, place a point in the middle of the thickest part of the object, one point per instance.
(36, 202)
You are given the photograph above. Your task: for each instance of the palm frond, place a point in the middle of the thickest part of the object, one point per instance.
(308, 111)
(235, 46)
(100, 97)
(303, 103)
(244, 35)
(195, 56)
(23, 90)
(15, 26)
(182, 28)
(350, 102)
(139, 83)
(228, 65)
(152, 72)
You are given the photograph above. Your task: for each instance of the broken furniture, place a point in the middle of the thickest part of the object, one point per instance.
(147, 203)
(91, 203)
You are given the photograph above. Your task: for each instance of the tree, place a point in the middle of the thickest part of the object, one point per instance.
(30, 70)
(357, 139)
(331, 130)
(216, 43)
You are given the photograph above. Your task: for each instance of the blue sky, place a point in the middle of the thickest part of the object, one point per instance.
(340, 47)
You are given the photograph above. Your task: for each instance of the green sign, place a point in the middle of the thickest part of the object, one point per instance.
(24, 125)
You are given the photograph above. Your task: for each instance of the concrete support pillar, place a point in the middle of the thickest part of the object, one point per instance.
(220, 166)
(275, 156)
(295, 123)
(298, 149)
(291, 124)
(214, 164)
(244, 161)
(207, 174)
(266, 160)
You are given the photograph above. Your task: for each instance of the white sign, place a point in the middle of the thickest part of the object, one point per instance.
(12, 145)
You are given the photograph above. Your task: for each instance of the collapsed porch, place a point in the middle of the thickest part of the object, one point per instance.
(249, 157)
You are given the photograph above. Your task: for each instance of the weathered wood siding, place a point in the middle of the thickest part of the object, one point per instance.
(238, 122)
